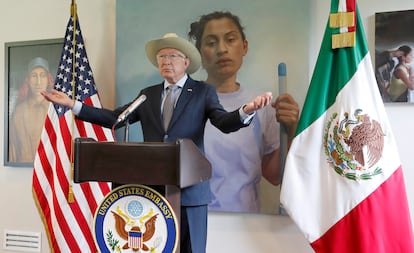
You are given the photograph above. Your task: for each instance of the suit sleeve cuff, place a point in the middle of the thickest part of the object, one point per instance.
(77, 107)
(244, 117)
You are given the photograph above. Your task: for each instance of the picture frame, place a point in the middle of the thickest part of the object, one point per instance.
(25, 110)
(392, 34)
(263, 57)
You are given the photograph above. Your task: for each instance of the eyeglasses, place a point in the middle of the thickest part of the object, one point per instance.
(171, 57)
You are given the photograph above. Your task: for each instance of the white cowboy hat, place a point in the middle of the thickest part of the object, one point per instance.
(171, 40)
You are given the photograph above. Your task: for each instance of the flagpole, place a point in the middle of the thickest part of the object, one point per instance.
(73, 13)
(282, 74)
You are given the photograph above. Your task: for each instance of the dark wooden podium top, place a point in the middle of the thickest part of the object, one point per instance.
(151, 163)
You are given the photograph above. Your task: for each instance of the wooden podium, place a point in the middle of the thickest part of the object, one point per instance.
(170, 165)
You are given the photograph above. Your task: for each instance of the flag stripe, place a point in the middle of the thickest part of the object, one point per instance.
(350, 7)
(362, 224)
(46, 190)
(68, 224)
(59, 186)
(329, 78)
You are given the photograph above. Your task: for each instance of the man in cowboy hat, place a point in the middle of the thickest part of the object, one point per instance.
(193, 104)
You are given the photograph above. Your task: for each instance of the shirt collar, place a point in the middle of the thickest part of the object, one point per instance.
(180, 82)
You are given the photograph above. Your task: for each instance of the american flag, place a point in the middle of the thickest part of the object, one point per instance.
(135, 239)
(67, 209)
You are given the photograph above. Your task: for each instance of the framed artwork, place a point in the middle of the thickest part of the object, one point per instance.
(30, 67)
(394, 42)
(134, 72)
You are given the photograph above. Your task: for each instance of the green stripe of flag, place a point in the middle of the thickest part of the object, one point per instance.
(333, 70)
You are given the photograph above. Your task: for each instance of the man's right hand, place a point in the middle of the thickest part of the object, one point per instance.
(58, 97)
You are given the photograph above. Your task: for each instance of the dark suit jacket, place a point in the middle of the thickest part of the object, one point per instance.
(197, 103)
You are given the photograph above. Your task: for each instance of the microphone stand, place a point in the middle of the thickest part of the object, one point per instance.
(126, 131)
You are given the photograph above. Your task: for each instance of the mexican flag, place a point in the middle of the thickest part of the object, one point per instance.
(343, 183)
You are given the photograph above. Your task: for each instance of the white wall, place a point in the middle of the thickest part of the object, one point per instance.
(45, 19)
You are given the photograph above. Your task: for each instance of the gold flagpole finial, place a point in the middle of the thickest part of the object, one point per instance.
(73, 8)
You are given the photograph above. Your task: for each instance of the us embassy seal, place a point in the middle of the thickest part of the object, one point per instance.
(353, 144)
(135, 218)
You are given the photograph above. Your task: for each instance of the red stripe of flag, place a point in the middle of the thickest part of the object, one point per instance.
(370, 222)
(351, 7)
(63, 183)
(76, 210)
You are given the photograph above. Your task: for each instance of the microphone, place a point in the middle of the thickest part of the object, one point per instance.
(132, 107)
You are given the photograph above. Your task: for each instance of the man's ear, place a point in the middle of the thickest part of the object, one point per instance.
(187, 62)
